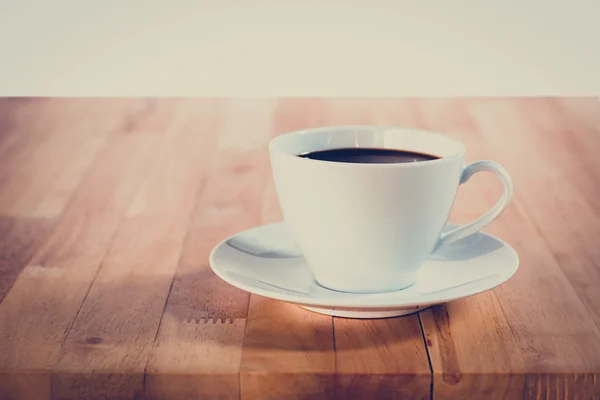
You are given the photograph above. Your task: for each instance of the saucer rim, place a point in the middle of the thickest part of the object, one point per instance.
(350, 302)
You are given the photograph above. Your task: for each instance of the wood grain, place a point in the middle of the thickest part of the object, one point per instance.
(137, 271)
(198, 348)
(58, 276)
(109, 209)
(50, 289)
(530, 309)
(569, 223)
(20, 238)
(49, 146)
(383, 359)
(288, 353)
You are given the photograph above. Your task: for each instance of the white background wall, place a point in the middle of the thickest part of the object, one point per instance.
(299, 47)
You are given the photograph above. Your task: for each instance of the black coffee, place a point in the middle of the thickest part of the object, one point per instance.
(368, 156)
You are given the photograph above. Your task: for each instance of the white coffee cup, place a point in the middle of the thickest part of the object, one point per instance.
(368, 228)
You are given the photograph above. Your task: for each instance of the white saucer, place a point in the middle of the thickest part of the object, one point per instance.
(266, 261)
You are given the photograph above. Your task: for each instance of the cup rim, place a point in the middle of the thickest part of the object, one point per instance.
(273, 149)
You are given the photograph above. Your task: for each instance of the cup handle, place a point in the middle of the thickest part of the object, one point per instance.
(487, 218)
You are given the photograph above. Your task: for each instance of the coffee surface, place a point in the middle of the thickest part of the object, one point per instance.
(357, 155)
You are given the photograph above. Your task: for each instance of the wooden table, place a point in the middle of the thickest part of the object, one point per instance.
(109, 209)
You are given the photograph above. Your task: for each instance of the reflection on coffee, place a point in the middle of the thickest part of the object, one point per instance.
(359, 155)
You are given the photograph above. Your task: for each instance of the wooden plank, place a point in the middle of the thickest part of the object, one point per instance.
(569, 219)
(562, 133)
(383, 359)
(569, 222)
(190, 371)
(59, 140)
(44, 185)
(183, 160)
(21, 128)
(483, 361)
(40, 308)
(530, 328)
(198, 347)
(19, 239)
(31, 210)
(109, 342)
(273, 366)
(288, 352)
(21, 236)
(115, 328)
